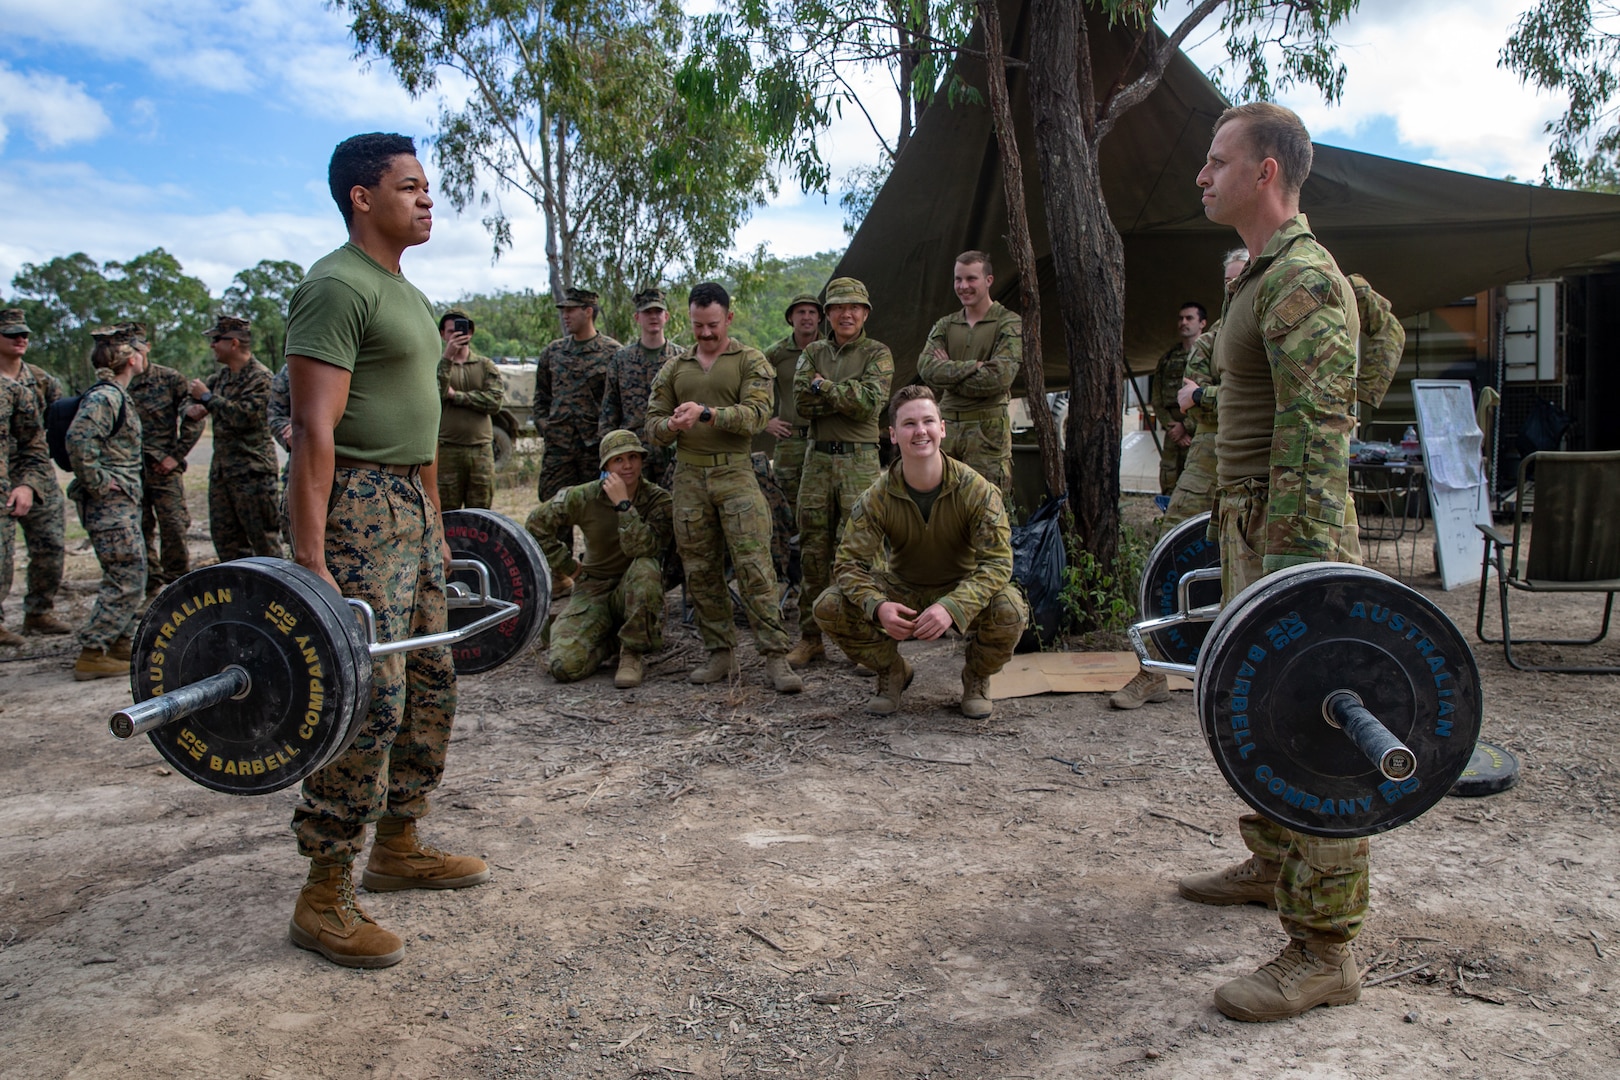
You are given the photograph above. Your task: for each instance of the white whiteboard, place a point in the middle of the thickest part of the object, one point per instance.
(1459, 495)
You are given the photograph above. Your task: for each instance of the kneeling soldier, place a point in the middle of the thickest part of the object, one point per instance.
(627, 522)
(950, 564)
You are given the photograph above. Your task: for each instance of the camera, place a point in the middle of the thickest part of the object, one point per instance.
(461, 326)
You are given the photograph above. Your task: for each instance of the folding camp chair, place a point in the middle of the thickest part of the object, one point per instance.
(1576, 547)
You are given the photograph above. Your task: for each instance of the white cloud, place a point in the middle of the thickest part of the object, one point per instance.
(55, 112)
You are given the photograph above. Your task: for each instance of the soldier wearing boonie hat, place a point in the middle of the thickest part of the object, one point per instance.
(629, 379)
(243, 498)
(840, 385)
(43, 524)
(570, 381)
(617, 595)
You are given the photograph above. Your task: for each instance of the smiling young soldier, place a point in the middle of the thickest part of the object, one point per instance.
(1285, 359)
(364, 349)
(949, 564)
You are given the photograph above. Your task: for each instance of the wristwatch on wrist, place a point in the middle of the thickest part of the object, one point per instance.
(815, 387)
(706, 416)
(622, 505)
(1198, 396)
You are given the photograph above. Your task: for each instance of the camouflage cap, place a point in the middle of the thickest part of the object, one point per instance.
(12, 322)
(117, 334)
(802, 298)
(619, 442)
(651, 300)
(846, 290)
(578, 298)
(231, 326)
(137, 330)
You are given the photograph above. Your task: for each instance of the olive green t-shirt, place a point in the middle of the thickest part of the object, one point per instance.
(352, 313)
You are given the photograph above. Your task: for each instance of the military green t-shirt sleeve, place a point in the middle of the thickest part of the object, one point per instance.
(326, 320)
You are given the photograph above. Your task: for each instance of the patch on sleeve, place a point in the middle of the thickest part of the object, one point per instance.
(1294, 307)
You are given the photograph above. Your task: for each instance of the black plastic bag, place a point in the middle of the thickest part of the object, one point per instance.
(1038, 563)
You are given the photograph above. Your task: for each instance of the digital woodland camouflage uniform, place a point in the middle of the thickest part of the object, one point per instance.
(243, 496)
(569, 381)
(842, 461)
(973, 388)
(1166, 384)
(960, 557)
(44, 524)
(24, 461)
(466, 432)
(1285, 359)
(106, 488)
(618, 596)
(279, 413)
(630, 373)
(160, 395)
(718, 504)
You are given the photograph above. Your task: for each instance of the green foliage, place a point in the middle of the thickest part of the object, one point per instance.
(762, 286)
(1571, 47)
(1104, 598)
(516, 325)
(861, 187)
(260, 294)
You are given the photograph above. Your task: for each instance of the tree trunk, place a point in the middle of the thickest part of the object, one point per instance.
(1023, 249)
(1089, 258)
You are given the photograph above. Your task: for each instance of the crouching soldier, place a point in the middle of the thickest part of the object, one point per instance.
(950, 564)
(618, 597)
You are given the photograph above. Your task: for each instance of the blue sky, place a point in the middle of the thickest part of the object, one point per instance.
(204, 127)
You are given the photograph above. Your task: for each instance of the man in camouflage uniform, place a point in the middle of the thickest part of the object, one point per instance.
(569, 381)
(1385, 340)
(1285, 360)
(630, 374)
(1177, 429)
(617, 597)
(43, 524)
(709, 402)
(24, 462)
(472, 391)
(970, 361)
(279, 413)
(840, 385)
(104, 443)
(364, 351)
(160, 395)
(243, 517)
(949, 564)
(787, 427)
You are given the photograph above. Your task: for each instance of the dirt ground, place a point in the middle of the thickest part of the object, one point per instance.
(723, 882)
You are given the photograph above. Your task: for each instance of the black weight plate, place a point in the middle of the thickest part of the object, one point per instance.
(274, 619)
(1491, 770)
(1294, 637)
(1181, 550)
(517, 573)
(364, 667)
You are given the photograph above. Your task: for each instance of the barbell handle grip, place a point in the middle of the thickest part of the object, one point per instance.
(231, 684)
(1393, 757)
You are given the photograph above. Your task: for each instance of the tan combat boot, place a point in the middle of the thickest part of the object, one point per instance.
(401, 861)
(121, 649)
(329, 920)
(806, 652)
(98, 664)
(976, 703)
(630, 670)
(8, 638)
(891, 684)
(784, 680)
(43, 622)
(720, 665)
(1145, 687)
(1252, 881)
(1304, 975)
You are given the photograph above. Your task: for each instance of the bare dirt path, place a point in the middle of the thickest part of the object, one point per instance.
(721, 882)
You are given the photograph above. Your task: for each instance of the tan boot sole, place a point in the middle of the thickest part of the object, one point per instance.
(375, 882)
(305, 940)
(1348, 996)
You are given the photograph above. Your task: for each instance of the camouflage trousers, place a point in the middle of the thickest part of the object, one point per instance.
(567, 461)
(114, 524)
(1172, 459)
(1194, 493)
(466, 476)
(244, 515)
(827, 493)
(164, 521)
(1322, 889)
(982, 440)
(991, 636)
(720, 508)
(42, 530)
(383, 546)
(603, 615)
(787, 465)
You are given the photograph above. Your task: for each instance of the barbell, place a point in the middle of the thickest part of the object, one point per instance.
(1335, 700)
(248, 676)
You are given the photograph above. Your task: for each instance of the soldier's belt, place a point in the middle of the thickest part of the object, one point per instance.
(355, 463)
(964, 415)
(799, 433)
(709, 461)
(844, 447)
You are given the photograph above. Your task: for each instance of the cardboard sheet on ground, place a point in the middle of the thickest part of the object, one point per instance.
(1068, 673)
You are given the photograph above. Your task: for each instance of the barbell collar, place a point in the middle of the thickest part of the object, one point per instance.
(232, 684)
(1344, 710)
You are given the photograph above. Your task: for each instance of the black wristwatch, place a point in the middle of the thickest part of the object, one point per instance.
(1198, 396)
(622, 505)
(706, 416)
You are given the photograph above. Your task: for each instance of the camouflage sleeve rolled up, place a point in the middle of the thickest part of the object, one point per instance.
(859, 398)
(648, 527)
(1309, 323)
(661, 406)
(562, 511)
(756, 397)
(990, 533)
(280, 408)
(89, 433)
(1386, 339)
